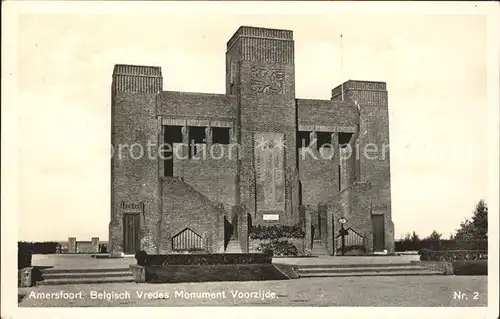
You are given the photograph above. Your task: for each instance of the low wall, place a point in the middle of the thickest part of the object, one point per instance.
(83, 247)
(442, 266)
(459, 267)
(207, 273)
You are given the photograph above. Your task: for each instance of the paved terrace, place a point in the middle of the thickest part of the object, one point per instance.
(79, 261)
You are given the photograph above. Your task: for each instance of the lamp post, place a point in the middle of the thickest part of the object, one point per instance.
(342, 232)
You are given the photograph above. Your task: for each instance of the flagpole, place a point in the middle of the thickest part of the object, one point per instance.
(341, 68)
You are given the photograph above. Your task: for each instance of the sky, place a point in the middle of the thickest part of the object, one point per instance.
(435, 67)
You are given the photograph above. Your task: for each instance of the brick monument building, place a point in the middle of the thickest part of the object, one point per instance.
(190, 171)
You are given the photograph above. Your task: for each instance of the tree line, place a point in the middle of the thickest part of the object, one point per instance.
(474, 228)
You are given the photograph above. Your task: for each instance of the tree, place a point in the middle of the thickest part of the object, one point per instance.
(434, 236)
(477, 227)
(407, 237)
(414, 237)
(480, 221)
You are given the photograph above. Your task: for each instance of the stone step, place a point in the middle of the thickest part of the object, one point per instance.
(233, 247)
(367, 269)
(86, 275)
(82, 270)
(76, 281)
(367, 274)
(354, 265)
(318, 248)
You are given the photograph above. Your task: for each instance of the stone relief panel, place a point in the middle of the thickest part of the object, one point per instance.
(270, 81)
(270, 172)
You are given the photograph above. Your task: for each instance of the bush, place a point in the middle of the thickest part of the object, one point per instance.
(273, 232)
(452, 255)
(352, 250)
(49, 247)
(143, 259)
(279, 248)
(470, 267)
(409, 245)
(424, 254)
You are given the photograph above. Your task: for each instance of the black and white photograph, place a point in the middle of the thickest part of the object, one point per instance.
(292, 157)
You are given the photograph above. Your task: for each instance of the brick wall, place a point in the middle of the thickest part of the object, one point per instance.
(214, 178)
(353, 204)
(319, 177)
(254, 63)
(134, 96)
(183, 207)
(326, 113)
(260, 98)
(374, 161)
(196, 105)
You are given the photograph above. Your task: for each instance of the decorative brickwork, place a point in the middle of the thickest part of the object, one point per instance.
(238, 182)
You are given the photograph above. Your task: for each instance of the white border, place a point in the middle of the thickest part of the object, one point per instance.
(9, 203)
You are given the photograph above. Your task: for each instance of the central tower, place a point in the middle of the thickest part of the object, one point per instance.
(260, 74)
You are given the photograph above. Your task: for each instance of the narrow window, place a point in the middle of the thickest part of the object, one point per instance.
(173, 134)
(324, 139)
(344, 139)
(303, 139)
(220, 135)
(196, 136)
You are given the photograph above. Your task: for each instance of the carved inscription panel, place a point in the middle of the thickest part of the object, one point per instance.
(270, 172)
(270, 81)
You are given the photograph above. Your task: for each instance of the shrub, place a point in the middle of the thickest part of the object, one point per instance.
(49, 247)
(408, 245)
(352, 250)
(424, 254)
(273, 232)
(452, 255)
(143, 259)
(279, 248)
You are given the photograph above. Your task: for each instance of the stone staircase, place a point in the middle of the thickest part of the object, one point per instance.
(358, 270)
(233, 247)
(318, 248)
(85, 276)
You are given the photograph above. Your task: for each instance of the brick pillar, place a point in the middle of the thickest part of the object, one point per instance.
(72, 245)
(308, 237)
(243, 226)
(208, 134)
(185, 147)
(330, 232)
(234, 220)
(95, 245)
(217, 243)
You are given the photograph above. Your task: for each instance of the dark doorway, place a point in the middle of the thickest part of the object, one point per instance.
(378, 233)
(131, 227)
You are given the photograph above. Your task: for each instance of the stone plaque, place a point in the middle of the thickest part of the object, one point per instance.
(271, 217)
(269, 155)
(265, 80)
